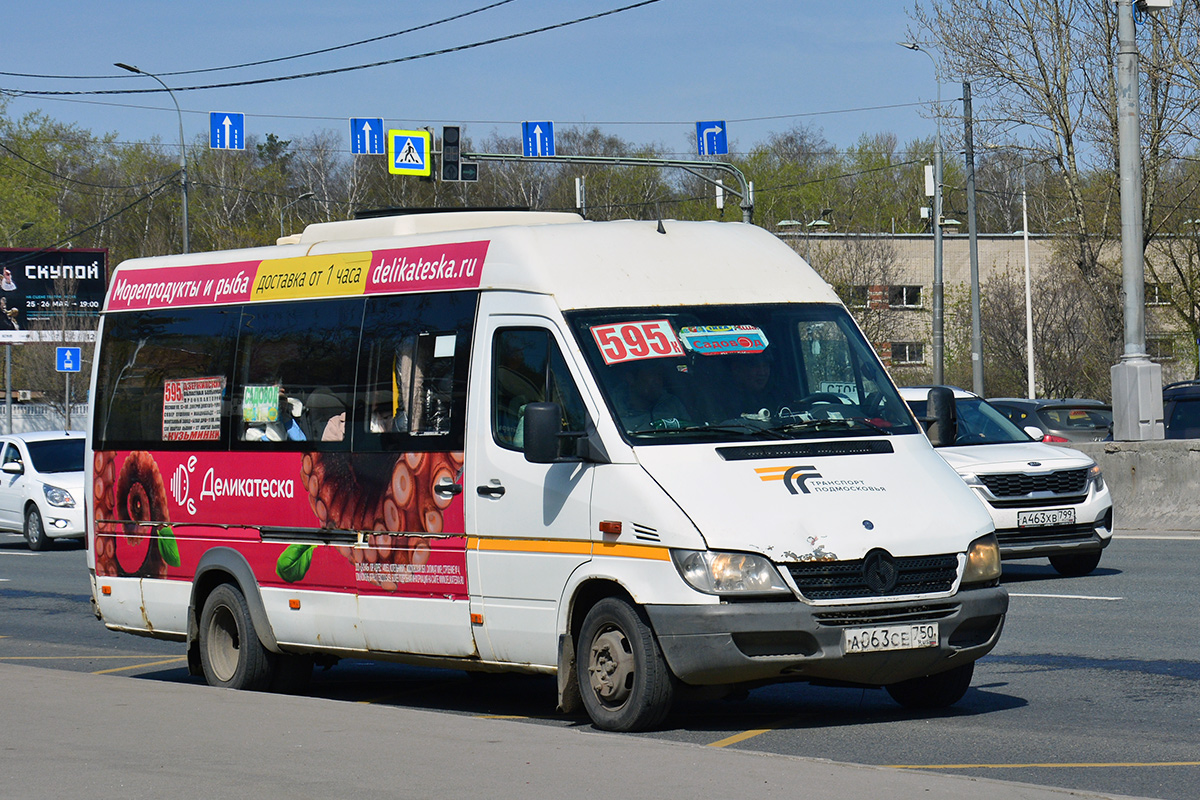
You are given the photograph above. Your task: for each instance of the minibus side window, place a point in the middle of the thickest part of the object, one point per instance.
(164, 379)
(528, 367)
(293, 360)
(412, 372)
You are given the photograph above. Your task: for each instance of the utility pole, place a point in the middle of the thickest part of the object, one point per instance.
(1136, 380)
(976, 325)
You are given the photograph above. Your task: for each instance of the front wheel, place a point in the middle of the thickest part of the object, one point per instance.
(1075, 564)
(933, 691)
(35, 532)
(230, 652)
(625, 682)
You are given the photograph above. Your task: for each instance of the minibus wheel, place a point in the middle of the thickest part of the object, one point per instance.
(941, 690)
(625, 682)
(230, 651)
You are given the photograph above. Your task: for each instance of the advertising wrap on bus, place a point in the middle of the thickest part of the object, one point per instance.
(145, 497)
(521, 441)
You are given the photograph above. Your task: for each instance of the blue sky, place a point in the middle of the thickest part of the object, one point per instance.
(647, 75)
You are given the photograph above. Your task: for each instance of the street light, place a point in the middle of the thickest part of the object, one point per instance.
(182, 145)
(938, 311)
(284, 208)
(24, 226)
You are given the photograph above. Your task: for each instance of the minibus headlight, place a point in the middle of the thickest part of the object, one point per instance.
(983, 561)
(58, 497)
(1095, 476)
(727, 573)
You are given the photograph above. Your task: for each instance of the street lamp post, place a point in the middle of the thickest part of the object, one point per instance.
(24, 226)
(284, 208)
(938, 293)
(183, 184)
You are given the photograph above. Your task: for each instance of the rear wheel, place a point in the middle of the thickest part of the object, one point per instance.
(35, 532)
(230, 652)
(625, 682)
(933, 691)
(1075, 564)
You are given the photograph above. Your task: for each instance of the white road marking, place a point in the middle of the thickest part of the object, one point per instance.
(1065, 596)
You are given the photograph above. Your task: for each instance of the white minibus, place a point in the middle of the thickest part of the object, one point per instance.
(650, 458)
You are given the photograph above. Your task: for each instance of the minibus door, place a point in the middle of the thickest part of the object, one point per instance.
(529, 523)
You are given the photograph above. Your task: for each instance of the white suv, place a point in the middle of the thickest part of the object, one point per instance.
(1045, 500)
(41, 486)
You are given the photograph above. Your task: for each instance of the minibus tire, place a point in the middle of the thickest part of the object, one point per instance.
(625, 682)
(1074, 565)
(940, 690)
(230, 651)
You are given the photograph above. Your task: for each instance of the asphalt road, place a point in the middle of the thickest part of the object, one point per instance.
(1094, 686)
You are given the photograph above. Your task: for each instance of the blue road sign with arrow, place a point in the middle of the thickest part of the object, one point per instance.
(67, 359)
(538, 138)
(226, 131)
(711, 139)
(367, 136)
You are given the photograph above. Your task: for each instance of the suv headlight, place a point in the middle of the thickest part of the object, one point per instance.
(1096, 477)
(983, 561)
(58, 497)
(727, 573)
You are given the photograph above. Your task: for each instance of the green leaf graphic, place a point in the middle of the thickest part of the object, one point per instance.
(168, 548)
(294, 562)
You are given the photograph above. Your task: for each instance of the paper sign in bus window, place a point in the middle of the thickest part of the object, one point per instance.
(711, 340)
(634, 341)
(260, 404)
(192, 409)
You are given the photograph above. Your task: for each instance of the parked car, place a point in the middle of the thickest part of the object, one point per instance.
(1181, 409)
(1046, 500)
(1059, 421)
(41, 486)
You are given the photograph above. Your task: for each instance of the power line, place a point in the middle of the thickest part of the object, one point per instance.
(339, 70)
(270, 60)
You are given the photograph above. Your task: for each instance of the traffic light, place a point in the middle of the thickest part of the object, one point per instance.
(451, 167)
(469, 171)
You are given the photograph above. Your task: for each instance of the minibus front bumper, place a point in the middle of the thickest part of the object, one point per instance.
(737, 642)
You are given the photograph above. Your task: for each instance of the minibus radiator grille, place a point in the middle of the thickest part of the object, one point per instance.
(887, 616)
(844, 580)
(1015, 484)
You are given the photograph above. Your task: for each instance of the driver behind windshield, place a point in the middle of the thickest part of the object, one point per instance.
(642, 398)
(751, 390)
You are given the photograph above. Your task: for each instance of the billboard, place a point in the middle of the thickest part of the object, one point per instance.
(41, 290)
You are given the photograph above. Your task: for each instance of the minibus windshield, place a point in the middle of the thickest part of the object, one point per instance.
(734, 372)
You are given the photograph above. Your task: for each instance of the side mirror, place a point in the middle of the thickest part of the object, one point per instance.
(1034, 432)
(542, 422)
(13, 468)
(943, 416)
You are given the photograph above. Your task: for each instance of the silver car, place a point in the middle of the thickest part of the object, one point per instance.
(41, 485)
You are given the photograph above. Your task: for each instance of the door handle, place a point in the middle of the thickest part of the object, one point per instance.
(490, 490)
(447, 489)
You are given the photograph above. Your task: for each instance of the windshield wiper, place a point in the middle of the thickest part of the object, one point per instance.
(756, 430)
(830, 424)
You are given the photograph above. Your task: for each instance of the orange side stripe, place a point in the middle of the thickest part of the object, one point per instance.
(564, 547)
(631, 551)
(532, 546)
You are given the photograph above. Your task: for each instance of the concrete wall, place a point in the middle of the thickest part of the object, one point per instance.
(1155, 485)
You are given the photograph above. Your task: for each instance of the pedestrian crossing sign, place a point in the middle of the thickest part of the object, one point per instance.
(408, 153)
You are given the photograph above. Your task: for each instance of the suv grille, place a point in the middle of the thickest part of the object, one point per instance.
(1015, 484)
(842, 580)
